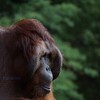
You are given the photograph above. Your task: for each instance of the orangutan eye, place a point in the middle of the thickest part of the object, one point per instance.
(43, 56)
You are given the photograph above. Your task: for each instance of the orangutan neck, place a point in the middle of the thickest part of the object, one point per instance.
(49, 96)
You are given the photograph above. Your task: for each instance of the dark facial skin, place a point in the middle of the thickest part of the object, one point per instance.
(45, 74)
(42, 79)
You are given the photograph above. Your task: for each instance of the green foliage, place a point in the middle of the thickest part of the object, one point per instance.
(65, 87)
(75, 27)
(5, 21)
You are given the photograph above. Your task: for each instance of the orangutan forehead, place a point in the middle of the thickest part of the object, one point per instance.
(32, 27)
(42, 48)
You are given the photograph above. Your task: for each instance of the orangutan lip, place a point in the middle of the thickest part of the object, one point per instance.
(48, 89)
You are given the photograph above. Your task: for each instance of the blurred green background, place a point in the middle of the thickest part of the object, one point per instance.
(75, 26)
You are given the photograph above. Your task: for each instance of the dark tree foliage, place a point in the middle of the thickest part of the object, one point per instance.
(8, 7)
(20, 1)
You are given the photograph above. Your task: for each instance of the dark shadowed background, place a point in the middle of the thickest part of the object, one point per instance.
(75, 26)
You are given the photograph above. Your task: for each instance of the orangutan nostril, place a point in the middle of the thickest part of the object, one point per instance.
(48, 69)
